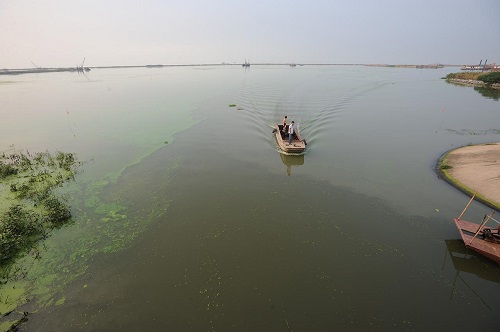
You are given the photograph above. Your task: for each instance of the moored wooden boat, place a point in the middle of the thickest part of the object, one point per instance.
(482, 239)
(298, 145)
(486, 242)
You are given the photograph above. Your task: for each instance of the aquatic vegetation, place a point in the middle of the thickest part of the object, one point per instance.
(6, 170)
(30, 208)
(232, 105)
(16, 322)
(108, 226)
(470, 132)
(19, 228)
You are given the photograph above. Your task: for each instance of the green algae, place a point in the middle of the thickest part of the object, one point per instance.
(470, 132)
(14, 319)
(39, 277)
(30, 210)
(111, 212)
(30, 207)
(49, 268)
(102, 224)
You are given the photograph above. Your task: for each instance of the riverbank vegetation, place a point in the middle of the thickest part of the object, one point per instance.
(29, 206)
(466, 75)
(488, 78)
(491, 78)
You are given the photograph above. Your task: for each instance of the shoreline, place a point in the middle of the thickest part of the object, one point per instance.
(39, 70)
(474, 168)
(475, 83)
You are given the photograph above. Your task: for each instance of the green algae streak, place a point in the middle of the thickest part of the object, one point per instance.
(30, 210)
(30, 207)
(42, 274)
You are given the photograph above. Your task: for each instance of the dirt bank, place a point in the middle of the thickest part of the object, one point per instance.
(474, 168)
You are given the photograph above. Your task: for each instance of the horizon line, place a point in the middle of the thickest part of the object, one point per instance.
(230, 64)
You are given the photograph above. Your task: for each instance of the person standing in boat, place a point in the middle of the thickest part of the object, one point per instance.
(284, 125)
(291, 131)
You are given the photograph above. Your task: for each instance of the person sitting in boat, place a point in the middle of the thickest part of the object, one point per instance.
(291, 131)
(284, 129)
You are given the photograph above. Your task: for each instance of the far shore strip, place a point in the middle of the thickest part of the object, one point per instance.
(476, 168)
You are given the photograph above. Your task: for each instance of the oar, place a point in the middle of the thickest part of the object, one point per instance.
(467, 206)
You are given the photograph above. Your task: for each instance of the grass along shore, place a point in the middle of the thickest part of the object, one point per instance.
(479, 79)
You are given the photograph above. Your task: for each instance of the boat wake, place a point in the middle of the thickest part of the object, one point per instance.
(318, 105)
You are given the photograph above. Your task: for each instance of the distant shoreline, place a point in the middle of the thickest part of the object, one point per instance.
(20, 71)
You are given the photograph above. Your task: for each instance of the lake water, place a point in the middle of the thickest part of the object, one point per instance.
(187, 218)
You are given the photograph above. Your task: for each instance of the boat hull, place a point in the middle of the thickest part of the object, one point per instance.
(298, 145)
(485, 247)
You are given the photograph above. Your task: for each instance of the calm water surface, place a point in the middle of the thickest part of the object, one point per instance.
(187, 217)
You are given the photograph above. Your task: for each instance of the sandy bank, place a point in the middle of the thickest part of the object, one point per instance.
(474, 168)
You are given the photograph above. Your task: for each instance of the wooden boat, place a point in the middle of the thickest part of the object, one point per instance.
(298, 144)
(482, 239)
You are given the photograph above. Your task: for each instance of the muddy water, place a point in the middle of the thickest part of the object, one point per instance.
(188, 218)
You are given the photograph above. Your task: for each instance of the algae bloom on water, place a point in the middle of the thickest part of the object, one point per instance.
(29, 208)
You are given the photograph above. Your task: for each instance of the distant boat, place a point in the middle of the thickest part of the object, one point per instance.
(246, 64)
(465, 67)
(483, 67)
(292, 65)
(81, 69)
(479, 237)
(472, 67)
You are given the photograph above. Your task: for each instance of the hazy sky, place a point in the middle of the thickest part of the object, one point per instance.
(58, 33)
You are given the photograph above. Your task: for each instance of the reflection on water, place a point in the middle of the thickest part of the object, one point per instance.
(469, 262)
(488, 92)
(291, 160)
(466, 260)
(483, 90)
